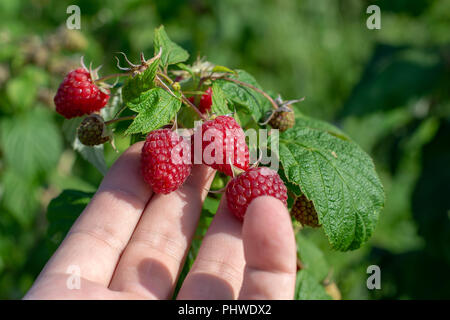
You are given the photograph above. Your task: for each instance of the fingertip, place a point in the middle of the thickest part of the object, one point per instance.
(269, 239)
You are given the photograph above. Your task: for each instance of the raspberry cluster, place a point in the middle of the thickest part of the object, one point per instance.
(166, 158)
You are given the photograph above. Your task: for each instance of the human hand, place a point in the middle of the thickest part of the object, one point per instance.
(131, 244)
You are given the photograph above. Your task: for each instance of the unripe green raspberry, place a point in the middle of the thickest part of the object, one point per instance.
(304, 212)
(92, 131)
(283, 120)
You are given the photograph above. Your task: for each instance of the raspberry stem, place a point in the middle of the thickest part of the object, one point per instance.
(183, 97)
(115, 75)
(165, 76)
(190, 104)
(120, 119)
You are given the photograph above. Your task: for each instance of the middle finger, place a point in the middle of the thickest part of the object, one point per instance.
(157, 249)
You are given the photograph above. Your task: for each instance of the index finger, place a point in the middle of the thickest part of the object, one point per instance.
(100, 234)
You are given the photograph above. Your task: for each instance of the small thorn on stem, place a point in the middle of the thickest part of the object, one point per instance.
(128, 61)
(118, 65)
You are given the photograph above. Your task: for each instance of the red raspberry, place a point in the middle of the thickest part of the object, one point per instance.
(163, 164)
(205, 101)
(78, 95)
(223, 136)
(251, 184)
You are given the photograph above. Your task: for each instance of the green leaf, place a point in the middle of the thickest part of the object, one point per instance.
(219, 103)
(116, 103)
(312, 257)
(94, 155)
(171, 52)
(62, 212)
(15, 188)
(140, 83)
(186, 68)
(340, 179)
(211, 205)
(22, 90)
(308, 288)
(155, 108)
(30, 142)
(222, 69)
(254, 102)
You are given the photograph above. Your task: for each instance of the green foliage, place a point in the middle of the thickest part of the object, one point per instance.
(339, 178)
(62, 213)
(30, 142)
(138, 84)
(219, 103)
(312, 258)
(307, 287)
(94, 155)
(171, 52)
(252, 101)
(155, 108)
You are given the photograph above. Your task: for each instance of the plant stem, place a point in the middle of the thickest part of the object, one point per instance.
(183, 97)
(190, 104)
(120, 119)
(274, 104)
(115, 75)
(165, 76)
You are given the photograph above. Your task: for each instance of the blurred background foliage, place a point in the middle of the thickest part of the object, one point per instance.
(388, 89)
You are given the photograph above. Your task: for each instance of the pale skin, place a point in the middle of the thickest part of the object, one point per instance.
(131, 244)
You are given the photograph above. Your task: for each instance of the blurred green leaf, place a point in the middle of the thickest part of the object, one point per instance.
(22, 89)
(393, 77)
(308, 288)
(20, 197)
(312, 258)
(30, 142)
(62, 213)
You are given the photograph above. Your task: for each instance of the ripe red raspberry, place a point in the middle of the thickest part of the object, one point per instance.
(165, 161)
(205, 101)
(223, 142)
(251, 184)
(78, 95)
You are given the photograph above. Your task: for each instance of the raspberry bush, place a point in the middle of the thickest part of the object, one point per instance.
(323, 176)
